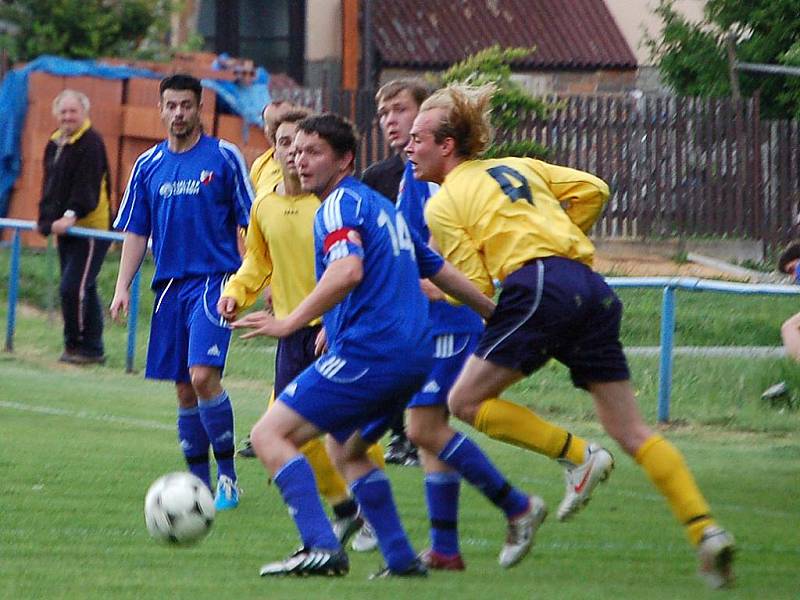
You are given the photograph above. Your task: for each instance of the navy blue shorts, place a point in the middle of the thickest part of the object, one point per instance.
(186, 329)
(557, 308)
(344, 395)
(295, 353)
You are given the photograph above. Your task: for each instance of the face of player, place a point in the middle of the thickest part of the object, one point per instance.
(425, 155)
(180, 113)
(285, 149)
(319, 167)
(396, 115)
(274, 111)
(70, 115)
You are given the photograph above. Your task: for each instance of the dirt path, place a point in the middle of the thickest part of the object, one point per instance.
(654, 266)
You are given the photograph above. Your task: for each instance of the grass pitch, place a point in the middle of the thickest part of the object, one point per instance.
(79, 448)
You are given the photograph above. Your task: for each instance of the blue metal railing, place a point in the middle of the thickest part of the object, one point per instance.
(668, 284)
(13, 284)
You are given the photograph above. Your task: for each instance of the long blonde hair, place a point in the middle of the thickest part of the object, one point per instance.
(466, 117)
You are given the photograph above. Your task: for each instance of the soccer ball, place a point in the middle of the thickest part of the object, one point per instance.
(178, 509)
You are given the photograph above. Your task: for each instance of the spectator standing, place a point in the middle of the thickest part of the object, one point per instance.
(75, 191)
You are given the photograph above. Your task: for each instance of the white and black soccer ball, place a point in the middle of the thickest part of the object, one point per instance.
(178, 509)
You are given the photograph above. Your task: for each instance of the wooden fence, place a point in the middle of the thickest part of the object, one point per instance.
(677, 166)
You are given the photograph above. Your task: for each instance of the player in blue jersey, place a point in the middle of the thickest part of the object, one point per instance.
(380, 351)
(446, 454)
(190, 194)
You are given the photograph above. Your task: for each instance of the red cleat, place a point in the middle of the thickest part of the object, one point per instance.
(441, 562)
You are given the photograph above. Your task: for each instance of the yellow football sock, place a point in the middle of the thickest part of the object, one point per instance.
(375, 454)
(666, 468)
(515, 424)
(330, 483)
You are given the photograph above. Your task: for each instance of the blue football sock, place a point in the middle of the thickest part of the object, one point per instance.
(295, 480)
(374, 495)
(464, 455)
(441, 493)
(194, 443)
(217, 416)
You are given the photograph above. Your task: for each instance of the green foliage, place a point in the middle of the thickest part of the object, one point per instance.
(511, 104)
(84, 28)
(692, 57)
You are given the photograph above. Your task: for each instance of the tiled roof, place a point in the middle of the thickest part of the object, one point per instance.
(568, 34)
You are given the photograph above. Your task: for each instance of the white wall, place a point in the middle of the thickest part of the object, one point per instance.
(632, 16)
(323, 29)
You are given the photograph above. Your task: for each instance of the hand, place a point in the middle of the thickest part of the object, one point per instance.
(321, 343)
(262, 323)
(227, 308)
(119, 305)
(61, 225)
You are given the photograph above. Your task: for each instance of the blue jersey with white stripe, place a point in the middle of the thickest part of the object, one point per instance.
(386, 314)
(190, 203)
(411, 200)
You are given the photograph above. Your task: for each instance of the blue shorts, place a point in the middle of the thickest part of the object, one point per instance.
(186, 329)
(295, 353)
(557, 308)
(452, 351)
(344, 395)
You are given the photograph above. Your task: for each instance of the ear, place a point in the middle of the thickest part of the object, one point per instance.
(346, 162)
(448, 147)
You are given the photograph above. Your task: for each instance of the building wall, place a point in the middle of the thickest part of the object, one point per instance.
(635, 17)
(323, 44)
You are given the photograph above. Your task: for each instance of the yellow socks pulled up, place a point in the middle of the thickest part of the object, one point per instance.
(666, 468)
(515, 424)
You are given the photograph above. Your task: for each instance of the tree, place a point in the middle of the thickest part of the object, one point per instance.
(692, 59)
(80, 28)
(510, 103)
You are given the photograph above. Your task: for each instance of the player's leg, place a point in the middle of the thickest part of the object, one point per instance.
(277, 437)
(665, 466)
(191, 433)
(371, 487)
(209, 340)
(167, 350)
(442, 487)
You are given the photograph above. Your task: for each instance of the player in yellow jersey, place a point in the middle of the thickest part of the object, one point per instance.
(280, 253)
(502, 220)
(265, 172)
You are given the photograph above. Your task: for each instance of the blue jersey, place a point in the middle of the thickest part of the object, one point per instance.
(386, 314)
(411, 200)
(190, 203)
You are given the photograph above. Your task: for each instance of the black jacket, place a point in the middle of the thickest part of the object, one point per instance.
(73, 181)
(385, 175)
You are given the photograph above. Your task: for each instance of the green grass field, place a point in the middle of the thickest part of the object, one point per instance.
(79, 448)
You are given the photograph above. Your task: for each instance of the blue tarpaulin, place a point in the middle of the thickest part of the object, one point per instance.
(247, 102)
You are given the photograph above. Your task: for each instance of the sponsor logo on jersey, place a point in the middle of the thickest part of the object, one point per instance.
(206, 177)
(185, 187)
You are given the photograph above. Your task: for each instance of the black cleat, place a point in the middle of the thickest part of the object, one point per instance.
(308, 562)
(246, 451)
(400, 451)
(415, 569)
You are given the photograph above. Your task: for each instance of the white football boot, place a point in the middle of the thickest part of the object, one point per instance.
(582, 479)
(521, 531)
(715, 553)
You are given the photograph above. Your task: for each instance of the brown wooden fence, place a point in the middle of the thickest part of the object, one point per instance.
(677, 167)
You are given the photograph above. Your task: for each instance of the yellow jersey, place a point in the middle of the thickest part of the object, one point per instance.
(490, 217)
(265, 173)
(279, 251)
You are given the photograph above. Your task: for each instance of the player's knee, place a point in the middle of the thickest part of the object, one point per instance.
(461, 408)
(205, 382)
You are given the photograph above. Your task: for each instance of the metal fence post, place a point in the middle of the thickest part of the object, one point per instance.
(665, 369)
(13, 286)
(133, 315)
